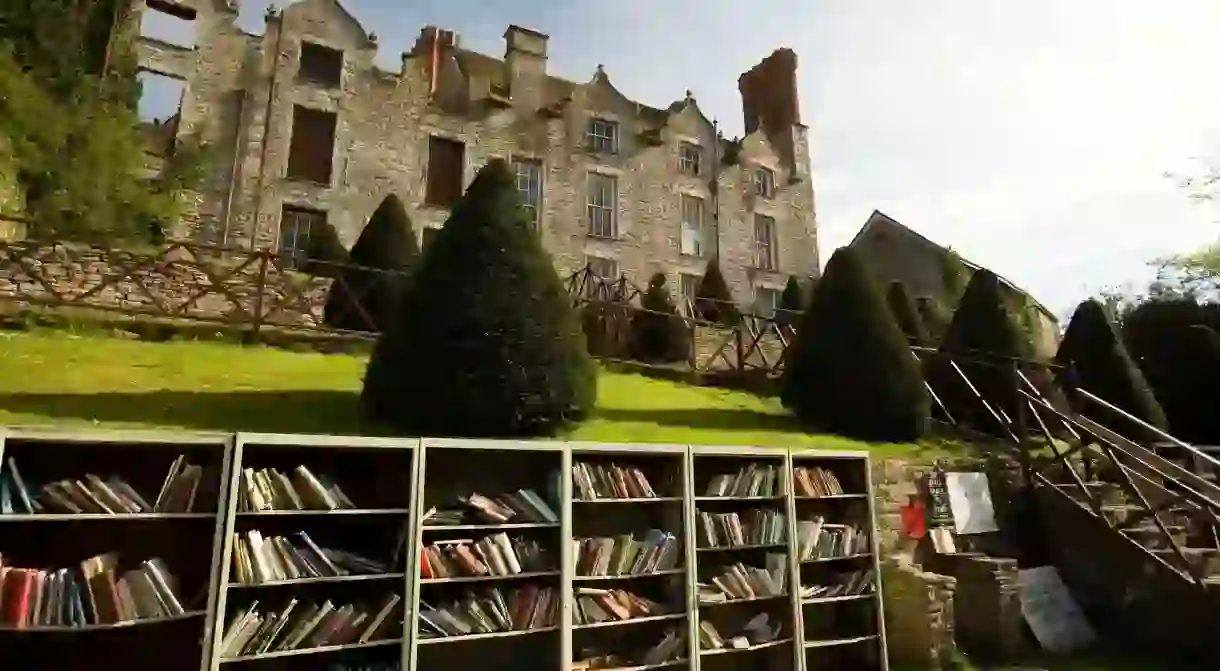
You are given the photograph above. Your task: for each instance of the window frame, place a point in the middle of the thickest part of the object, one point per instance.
(771, 309)
(691, 165)
(534, 208)
(697, 202)
(435, 196)
(594, 140)
(297, 169)
(768, 246)
(609, 210)
(314, 53)
(298, 252)
(764, 182)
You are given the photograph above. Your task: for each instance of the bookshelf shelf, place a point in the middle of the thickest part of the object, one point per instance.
(648, 667)
(753, 648)
(742, 548)
(104, 517)
(328, 513)
(467, 638)
(838, 599)
(319, 580)
(668, 617)
(742, 499)
(732, 602)
(151, 622)
(640, 500)
(490, 578)
(321, 650)
(489, 527)
(630, 576)
(832, 497)
(833, 642)
(823, 560)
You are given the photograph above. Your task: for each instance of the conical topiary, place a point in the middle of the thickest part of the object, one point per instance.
(713, 300)
(1190, 385)
(984, 339)
(905, 314)
(366, 292)
(484, 341)
(791, 302)
(1100, 364)
(854, 374)
(934, 316)
(659, 334)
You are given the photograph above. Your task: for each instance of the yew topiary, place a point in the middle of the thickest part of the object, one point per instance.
(905, 314)
(367, 290)
(659, 333)
(713, 300)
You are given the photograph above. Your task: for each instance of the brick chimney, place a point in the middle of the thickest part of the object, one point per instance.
(769, 101)
(525, 62)
(432, 43)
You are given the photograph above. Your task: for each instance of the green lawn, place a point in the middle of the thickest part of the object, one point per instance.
(53, 377)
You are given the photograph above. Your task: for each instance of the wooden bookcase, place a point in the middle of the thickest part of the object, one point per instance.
(839, 592)
(94, 502)
(399, 518)
(371, 517)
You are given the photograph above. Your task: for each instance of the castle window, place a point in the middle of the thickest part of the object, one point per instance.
(688, 290)
(692, 226)
(311, 153)
(764, 182)
(606, 269)
(602, 205)
(297, 227)
(602, 136)
(766, 301)
(529, 184)
(320, 65)
(446, 171)
(689, 158)
(765, 257)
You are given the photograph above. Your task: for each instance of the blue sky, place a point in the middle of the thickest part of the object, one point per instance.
(1030, 136)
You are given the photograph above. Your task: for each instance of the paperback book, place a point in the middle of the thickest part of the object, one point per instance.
(815, 481)
(523, 505)
(741, 581)
(258, 560)
(626, 555)
(853, 583)
(759, 527)
(300, 625)
(817, 539)
(94, 495)
(754, 480)
(268, 489)
(594, 606)
(610, 481)
(495, 555)
(670, 648)
(492, 610)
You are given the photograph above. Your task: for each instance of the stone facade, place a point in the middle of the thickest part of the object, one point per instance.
(241, 92)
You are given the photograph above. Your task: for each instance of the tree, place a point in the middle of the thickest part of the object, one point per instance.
(1189, 385)
(659, 334)
(1100, 364)
(905, 314)
(984, 339)
(791, 302)
(484, 341)
(854, 373)
(325, 256)
(366, 294)
(713, 300)
(934, 316)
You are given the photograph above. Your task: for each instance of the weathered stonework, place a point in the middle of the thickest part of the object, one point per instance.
(919, 616)
(241, 89)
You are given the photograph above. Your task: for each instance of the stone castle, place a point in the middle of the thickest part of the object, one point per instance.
(308, 132)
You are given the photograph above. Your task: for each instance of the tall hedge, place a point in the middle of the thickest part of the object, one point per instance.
(1190, 385)
(934, 316)
(484, 341)
(905, 314)
(659, 334)
(983, 328)
(364, 296)
(854, 374)
(1100, 364)
(791, 302)
(713, 300)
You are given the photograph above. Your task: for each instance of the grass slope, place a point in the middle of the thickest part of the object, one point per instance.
(57, 378)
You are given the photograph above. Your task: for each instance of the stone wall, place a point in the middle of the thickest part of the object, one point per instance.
(919, 616)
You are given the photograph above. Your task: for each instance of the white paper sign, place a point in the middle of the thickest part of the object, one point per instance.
(1053, 616)
(970, 501)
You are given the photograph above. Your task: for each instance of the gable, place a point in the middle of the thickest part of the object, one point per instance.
(327, 20)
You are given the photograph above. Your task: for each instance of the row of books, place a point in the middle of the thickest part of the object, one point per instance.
(98, 592)
(817, 539)
(669, 649)
(523, 505)
(258, 560)
(741, 581)
(815, 481)
(626, 555)
(492, 555)
(610, 481)
(494, 610)
(373, 666)
(300, 626)
(847, 584)
(752, 480)
(761, 527)
(606, 605)
(758, 630)
(268, 489)
(93, 495)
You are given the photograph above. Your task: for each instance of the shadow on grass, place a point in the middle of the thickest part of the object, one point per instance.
(291, 411)
(717, 419)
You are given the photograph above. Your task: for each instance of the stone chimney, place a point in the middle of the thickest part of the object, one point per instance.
(432, 44)
(525, 63)
(769, 102)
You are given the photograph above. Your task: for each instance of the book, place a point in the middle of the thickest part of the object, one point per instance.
(605, 605)
(815, 481)
(760, 527)
(269, 489)
(494, 555)
(492, 610)
(258, 560)
(610, 481)
(626, 555)
(818, 539)
(523, 505)
(91, 494)
(98, 592)
(669, 648)
(740, 581)
(758, 630)
(301, 625)
(753, 480)
(853, 583)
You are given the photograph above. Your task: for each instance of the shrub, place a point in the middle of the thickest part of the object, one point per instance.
(325, 255)
(791, 302)
(713, 300)
(983, 328)
(1100, 364)
(362, 299)
(934, 316)
(1190, 385)
(854, 374)
(484, 341)
(905, 314)
(659, 334)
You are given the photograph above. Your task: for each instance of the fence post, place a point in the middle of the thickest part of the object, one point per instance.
(741, 350)
(264, 258)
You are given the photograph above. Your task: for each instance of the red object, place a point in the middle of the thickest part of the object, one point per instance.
(16, 599)
(913, 523)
